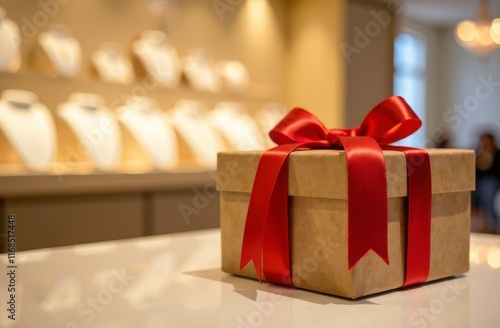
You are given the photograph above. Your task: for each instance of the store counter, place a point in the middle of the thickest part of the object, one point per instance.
(175, 281)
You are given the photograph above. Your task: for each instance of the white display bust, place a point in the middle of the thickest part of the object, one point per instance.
(112, 65)
(147, 124)
(10, 44)
(268, 117)
(239, 128)
(62, 50)
(158, 58)
(188, 118)
(29, 127)
(200, 71)
(95, 127)
(234, 73)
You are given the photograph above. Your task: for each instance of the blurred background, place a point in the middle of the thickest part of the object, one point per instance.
(112, 112)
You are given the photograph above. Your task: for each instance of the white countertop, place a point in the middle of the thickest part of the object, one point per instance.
(175, 281)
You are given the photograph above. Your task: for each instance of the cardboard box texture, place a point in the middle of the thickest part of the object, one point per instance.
(318, 219)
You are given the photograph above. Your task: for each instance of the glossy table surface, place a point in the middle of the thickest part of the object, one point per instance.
(175, 281)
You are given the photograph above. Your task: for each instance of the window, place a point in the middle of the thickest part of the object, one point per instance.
(409, 78)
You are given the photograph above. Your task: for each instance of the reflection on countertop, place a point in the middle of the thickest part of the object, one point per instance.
(485, 249)
(175, 281)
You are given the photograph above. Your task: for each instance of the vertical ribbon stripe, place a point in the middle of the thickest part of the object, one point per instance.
(418, 241)
(367, 198)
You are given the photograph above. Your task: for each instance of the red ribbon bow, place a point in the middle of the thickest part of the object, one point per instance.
(265, 240)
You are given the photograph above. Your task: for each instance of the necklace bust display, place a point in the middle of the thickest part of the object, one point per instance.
(112, 65)
(95, 127)
(267, 118)
(158, 58)
(29, 127)
(200, 71)
(188, 118)
(235, 75)
(238, 128)
(146, 123)
(62, 50)
(10, 44)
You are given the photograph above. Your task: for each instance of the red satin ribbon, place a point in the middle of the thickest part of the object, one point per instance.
(418, 236)
(265, 240)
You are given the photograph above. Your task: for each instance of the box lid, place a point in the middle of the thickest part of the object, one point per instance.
(323, 173)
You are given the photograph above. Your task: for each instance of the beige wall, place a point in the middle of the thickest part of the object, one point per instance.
(325, 74)
(258, 37)
(316, 65)
(369, 71)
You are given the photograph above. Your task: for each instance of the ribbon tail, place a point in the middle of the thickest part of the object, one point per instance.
(367, 199)
(251, 250)
(266, 227)
(253, 236)
(276, 257)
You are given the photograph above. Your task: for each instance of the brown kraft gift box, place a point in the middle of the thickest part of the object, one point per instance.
(317, 192)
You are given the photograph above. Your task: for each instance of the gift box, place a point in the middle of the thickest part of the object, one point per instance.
(320, 234)
(318, 219)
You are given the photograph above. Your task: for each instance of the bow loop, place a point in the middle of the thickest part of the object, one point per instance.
(297, 127)
(390, 121)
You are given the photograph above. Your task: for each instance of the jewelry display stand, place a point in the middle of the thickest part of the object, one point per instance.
(29, 129)
(10, 44)
(148, 137)
(111, 65)
(238, 128)
(96, 130)
(268, 117)
(57, 53)
(196, 134)
(155, 57)
(200, 71)
(234, 74)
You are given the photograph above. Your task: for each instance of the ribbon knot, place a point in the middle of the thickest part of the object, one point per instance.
(266, 240)
(332, 136)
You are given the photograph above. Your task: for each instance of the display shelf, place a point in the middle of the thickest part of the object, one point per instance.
(58, 210)
(101, 183)
(54, 90)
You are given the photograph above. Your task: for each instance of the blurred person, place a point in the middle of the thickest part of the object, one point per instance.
(487, 181)
(442, 140)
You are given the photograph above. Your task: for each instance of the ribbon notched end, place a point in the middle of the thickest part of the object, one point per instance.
(256, 264)
(356, 255)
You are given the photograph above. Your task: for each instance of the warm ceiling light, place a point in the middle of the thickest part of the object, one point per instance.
(495, 31)
(495, 25)
(481, 36)
(466, 30)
